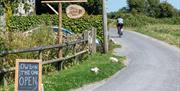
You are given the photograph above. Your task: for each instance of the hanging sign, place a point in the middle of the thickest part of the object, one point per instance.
(75, 11)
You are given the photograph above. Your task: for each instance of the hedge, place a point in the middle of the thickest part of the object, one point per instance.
(141, 20)
(24, 23)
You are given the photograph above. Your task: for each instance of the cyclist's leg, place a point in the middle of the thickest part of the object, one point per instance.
(121, 29)
(118, 28)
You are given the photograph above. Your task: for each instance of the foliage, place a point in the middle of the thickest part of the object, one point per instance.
(8, 16)
(8, 6)
(93, 7)
(1, 10)
(27, 7)
(139, 5)
(23, 40)
(152, 8)
(166, 10)
(24, 23)
(2, 45)
(141, 20)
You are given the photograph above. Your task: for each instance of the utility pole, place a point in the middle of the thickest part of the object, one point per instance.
(105, 32)
(60, 34)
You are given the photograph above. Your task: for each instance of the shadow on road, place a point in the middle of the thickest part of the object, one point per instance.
(114, 36)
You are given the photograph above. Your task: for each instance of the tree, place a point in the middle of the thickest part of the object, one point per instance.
(93, 7)
(124, 10)
(138, 5)
(8, 6)
(153, 9)
(166, 10)
(112, 15)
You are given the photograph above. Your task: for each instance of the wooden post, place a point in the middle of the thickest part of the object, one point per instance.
(88, 37)
(93, 40)
(60, 34)
(40, 55)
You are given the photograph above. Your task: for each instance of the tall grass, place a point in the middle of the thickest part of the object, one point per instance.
(166, 29)
(21, 40)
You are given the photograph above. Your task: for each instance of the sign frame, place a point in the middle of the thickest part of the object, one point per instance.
(76, 7)
(39, 62)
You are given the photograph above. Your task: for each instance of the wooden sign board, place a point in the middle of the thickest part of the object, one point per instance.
(58, 1)
(75, 11)
(28, 75)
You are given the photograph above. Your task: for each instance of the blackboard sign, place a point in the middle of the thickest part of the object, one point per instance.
(28, 75)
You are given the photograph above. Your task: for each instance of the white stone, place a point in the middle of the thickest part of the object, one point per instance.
(95, 70)
(113, 59)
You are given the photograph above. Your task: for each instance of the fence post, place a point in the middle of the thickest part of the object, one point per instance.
(5, 82)
(40, 55)
(86, 37)
(93, 40)
(4, 77)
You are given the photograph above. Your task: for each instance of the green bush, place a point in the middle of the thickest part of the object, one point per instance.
(76, 25)
(2, 45)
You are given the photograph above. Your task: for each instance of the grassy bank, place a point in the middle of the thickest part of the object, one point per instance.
(164, 32)
(80, 74)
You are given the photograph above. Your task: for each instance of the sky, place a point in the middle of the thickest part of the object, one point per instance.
(114, 5)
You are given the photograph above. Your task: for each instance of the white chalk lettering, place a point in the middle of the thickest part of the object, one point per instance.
(21, 81)
(34, 72)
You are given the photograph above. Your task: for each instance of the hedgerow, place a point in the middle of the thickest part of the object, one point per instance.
(24, 23)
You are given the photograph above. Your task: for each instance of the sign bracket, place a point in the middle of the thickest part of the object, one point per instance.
(52, 8)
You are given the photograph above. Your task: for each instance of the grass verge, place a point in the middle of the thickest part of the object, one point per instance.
(164, 32)
(80, 74)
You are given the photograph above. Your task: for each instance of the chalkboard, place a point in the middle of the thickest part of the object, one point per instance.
(28, 75)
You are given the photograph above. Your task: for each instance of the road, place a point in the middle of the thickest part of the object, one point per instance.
(152, 65)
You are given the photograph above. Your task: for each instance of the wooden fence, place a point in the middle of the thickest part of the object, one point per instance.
(87, 42)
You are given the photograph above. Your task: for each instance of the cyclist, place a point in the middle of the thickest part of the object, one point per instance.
(120, 26)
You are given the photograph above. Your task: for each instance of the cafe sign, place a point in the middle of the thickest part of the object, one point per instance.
(28, 75)
(75, 11)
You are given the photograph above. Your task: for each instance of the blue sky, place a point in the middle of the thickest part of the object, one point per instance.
(114, 5)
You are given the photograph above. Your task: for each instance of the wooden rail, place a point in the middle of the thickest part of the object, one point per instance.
(6, 52)
(48, 62)
(41, 48)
